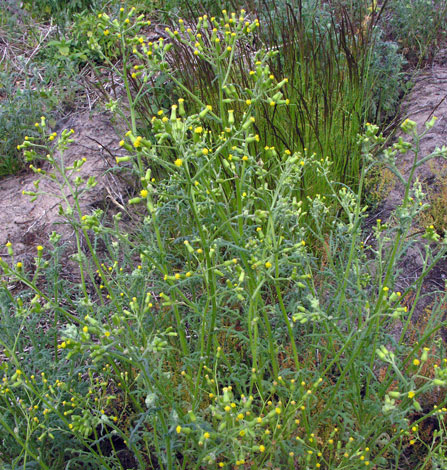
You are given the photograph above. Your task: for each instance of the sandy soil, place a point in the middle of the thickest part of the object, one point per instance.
(27, 224)
(428, 98)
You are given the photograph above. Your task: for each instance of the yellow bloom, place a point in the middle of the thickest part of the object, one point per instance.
(178, 429)
(143, 193)
(178, 162)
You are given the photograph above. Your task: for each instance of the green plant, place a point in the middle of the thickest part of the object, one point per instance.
(60, 11)
(222, 341)
(436, 214)
(19, 109)
(331, 68)
(418, 26)
(35, 70)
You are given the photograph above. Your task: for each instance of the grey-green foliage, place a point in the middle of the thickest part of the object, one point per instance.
(418, 25)
(21, 106)
(387, 74)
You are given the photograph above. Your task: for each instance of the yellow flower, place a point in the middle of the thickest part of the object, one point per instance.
(143, 193)
(198, 130)
(411, 394)
(207, 435)
(85, 329)
(268, 264)
(416, 362)
(261, 448)
(178, 429)
(178, 162)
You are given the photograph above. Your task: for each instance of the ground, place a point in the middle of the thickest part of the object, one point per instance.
(27, 224)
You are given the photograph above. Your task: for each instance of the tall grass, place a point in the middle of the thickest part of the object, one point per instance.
(330, 88)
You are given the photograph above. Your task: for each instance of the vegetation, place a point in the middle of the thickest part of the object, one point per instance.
(250, 318)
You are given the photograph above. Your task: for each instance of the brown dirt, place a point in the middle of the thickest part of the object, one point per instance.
(428, 98)
(27, 224)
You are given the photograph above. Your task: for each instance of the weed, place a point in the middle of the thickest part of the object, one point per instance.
(213, 334)
(187, 346)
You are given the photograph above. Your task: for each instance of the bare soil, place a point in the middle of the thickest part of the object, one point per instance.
(27, 224)
(427, 98)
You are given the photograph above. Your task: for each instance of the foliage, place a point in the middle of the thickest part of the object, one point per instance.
(19, 109)
(419, 26)
(213, 334)
(436, 213)
(35, 71)
(61, 11)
